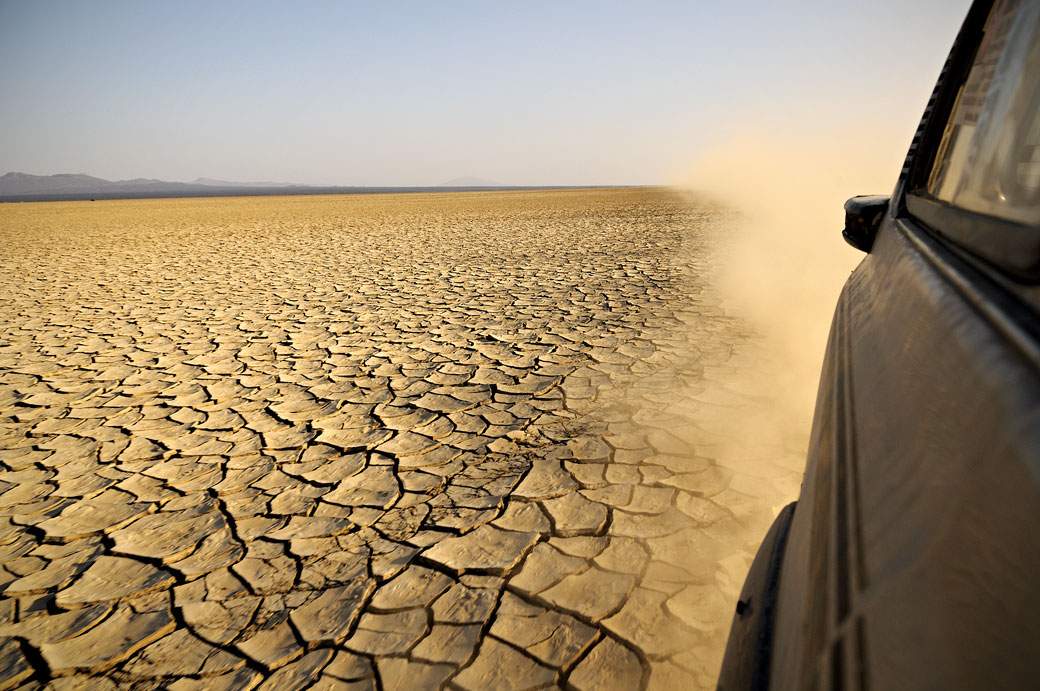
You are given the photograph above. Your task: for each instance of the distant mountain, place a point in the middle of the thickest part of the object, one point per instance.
(23, 184)
(224, 183)
(470, 181)
(25, 187)
(18, 187)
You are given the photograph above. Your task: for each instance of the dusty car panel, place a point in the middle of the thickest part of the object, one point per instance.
(913, 553)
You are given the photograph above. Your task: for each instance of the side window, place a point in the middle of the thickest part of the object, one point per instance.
(988, 160)
(976, 178)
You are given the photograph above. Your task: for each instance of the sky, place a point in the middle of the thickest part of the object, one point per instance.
(418, 93)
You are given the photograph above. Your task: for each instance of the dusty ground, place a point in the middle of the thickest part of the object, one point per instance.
(479, 440)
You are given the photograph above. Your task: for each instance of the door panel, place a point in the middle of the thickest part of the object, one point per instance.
(913, 567)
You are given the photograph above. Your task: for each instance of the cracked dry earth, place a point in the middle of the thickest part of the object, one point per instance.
(390, 442)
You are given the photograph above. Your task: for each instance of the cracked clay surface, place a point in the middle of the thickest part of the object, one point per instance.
(368, 442)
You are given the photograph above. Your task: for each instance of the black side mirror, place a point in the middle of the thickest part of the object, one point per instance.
(862, 219)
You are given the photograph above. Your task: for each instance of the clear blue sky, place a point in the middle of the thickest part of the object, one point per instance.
(412, 93)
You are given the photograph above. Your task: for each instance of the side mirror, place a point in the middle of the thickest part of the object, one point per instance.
(862, 219)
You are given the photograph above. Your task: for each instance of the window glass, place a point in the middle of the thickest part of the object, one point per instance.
(989, 158)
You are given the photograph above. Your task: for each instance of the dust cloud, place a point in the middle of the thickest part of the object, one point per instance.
(781, 260)
(777, 268)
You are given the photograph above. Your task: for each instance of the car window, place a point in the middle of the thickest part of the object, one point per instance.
(988, 161)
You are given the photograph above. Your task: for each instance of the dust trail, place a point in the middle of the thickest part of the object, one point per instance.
(783, 262)
(778, 266)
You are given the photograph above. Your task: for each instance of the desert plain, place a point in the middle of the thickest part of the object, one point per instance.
(473, 441)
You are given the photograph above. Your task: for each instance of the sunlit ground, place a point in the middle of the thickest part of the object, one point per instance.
(484, 440)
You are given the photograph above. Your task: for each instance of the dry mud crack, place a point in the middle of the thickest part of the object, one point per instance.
(389, 442)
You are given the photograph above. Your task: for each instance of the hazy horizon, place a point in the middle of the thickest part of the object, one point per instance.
(460, 181)
(407, 95)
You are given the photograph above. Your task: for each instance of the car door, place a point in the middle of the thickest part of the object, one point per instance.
(912, 556)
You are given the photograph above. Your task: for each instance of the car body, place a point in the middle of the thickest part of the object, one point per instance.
(912, 556)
